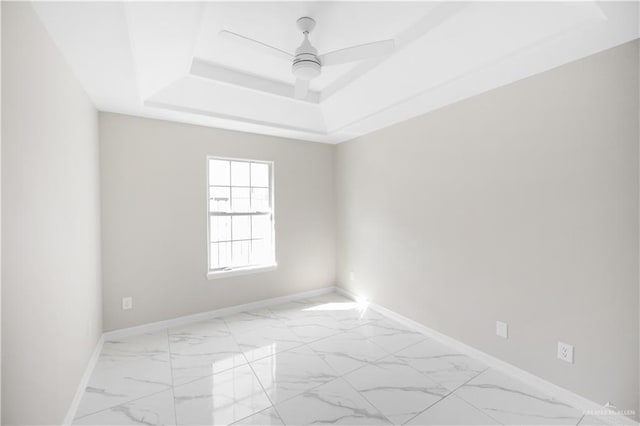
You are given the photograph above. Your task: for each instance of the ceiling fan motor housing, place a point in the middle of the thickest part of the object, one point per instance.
(306, 65)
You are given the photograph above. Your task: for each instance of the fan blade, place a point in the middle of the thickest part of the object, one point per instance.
(302, 87)
(249, 42)
(357, 53)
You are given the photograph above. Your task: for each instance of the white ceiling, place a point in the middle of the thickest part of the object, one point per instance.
(165, 59)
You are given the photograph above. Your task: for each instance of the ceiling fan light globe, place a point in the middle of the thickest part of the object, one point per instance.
(306, 69)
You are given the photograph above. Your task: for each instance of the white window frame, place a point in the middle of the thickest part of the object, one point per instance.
(249, 269)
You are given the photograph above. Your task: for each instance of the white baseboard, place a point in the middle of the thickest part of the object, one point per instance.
(84, 381)
(154, 326)
(202, 316)
(608, 416)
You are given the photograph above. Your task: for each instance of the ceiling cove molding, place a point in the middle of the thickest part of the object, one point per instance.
(219, 73)
(489, 65)
(205, 113)
(483, 78)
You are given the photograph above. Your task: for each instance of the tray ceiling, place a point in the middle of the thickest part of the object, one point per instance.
(166, 60)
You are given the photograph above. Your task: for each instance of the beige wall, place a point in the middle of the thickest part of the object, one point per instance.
(154, 218)
(51, 301)
(520, 205)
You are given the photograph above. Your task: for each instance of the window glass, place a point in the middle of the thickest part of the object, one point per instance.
(239, 173)
(219, 173)
(240, 223)
(260, 175)
(240, 200)
(260, 199)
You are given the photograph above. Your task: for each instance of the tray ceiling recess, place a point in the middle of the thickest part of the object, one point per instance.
(344, 70)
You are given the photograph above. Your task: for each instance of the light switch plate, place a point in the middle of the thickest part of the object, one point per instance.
(502, 329)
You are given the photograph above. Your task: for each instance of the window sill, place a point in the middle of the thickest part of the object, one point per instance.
(240, 271)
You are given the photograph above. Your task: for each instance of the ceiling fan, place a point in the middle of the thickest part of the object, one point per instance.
(306, 63)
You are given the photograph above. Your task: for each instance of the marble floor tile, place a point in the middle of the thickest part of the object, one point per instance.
(332, 403)
(395, 389)
(119, 379)
(156, 409)
(268, 417)
(440, 363)
(290, 310)
(390, 335)
(250, 320)
(511, 401)
(452, 411)
(590, 420)
(315, 327)
(192, 333)
(320, 360)
(349, 314)
(356, 316)
(290, 373)
(200, 356)
(148, 346)
(220, 399)
(348, 351)
(263, 341)
(311, 314)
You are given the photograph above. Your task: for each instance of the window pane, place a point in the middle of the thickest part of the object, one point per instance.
(259, 174)
(240, 199)
(241, 227)
(240, 253)
(218, 172)
(220, 255)
(239, 173)
(213, 253)
(260, 252)
(220, 199)
(261, 227)
(260, 200)
(220, 228)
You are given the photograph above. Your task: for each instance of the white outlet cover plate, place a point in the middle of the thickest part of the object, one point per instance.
(502, 329)
(127, 303)
(565, 352)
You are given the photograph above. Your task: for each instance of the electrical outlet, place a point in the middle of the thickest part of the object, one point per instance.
(565, 352)
(127, 303)
(352, 276)
(502, 329)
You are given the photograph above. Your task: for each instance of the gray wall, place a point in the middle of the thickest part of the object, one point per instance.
(51, 301)
(154, 218)
(521, 205)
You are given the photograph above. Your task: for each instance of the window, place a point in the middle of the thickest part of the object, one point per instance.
(240, 215)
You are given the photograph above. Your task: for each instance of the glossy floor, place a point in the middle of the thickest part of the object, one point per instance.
(324, 360)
